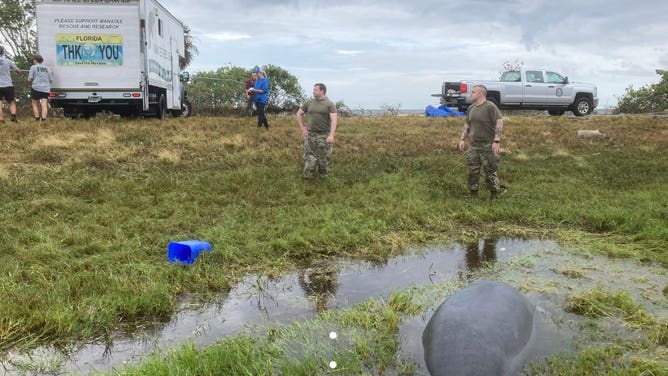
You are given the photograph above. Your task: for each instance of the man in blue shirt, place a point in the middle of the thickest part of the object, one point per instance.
(260, 96)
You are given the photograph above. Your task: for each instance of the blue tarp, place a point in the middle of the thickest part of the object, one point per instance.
(442, 111)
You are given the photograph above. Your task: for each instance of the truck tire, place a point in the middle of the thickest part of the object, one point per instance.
(161, 108)
(494, 99)
(68, 112)
(556, 112)
(77, 114)
(582, 106)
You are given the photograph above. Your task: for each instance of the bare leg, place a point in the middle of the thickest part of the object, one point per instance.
(45, 109)
(12, 111)
(35, 108)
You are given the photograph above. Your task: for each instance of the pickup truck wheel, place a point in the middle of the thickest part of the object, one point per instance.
(556, 112)
(68, 112)
(161, 109)
(494, 100)
(582, 106)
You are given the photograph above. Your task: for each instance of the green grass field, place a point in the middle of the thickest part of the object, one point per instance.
(88, 207)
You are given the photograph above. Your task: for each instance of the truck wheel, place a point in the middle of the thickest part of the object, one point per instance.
(556, 112)
(582, 106)
(68, 112)
(494, 100)
(161, 109)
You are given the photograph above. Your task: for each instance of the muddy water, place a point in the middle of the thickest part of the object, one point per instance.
(262, 301)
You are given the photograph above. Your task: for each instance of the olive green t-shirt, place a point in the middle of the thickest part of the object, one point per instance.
(482, 119)
(317, 114)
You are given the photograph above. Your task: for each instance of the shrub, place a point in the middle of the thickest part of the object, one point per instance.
(652, 98)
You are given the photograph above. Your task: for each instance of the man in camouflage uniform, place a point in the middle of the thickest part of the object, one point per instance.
(319, 136)
(485, 126)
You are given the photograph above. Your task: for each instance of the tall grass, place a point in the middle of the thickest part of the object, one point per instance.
(88, 207)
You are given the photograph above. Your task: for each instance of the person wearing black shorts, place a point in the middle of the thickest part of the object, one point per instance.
(7, 94)
(40, 80)
(7, 86)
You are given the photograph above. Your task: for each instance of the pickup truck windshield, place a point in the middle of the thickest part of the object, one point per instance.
(510, 76)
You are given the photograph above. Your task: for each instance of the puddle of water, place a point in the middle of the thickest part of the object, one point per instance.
(262, 301)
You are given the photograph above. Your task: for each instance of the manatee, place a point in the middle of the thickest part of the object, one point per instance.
(482, 330)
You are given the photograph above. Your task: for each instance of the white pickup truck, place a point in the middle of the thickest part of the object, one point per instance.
(534, 89)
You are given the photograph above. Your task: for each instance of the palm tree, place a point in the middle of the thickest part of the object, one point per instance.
(190, 49)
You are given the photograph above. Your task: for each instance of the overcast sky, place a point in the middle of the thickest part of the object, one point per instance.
(397, 52)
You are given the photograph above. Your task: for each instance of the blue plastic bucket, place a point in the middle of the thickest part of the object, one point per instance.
(186, 251)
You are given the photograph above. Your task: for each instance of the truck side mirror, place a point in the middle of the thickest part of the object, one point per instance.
(185, 76)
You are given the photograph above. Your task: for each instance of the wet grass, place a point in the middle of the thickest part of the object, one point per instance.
(366, 343)
(610, 360)
(88, 207)
(598, 302)
(620, 315)
(368, 339)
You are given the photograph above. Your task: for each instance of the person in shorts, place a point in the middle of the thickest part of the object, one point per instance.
(40, 80)
(7, 86)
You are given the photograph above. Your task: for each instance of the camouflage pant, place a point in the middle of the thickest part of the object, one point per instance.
(317, 153)
(482, 156)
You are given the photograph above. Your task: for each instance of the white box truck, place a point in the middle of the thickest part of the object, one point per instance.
(120, 56)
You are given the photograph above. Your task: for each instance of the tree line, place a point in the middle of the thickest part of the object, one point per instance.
(221, 92)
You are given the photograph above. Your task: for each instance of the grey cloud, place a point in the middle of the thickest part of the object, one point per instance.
(593, 40)
(539, 23)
